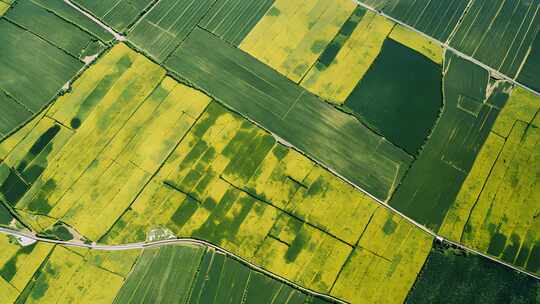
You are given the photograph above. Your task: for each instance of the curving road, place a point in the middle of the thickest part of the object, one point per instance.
(445, 45)
(157, 243)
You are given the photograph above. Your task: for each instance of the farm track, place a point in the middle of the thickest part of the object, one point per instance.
(143, 245)
(446, 46)
(159, 243)
(116, 35)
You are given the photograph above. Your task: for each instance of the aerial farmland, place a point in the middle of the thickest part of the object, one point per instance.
(269, 151)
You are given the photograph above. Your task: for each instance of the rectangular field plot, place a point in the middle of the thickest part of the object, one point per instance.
(330, 136)
(50, 27)
(499, 33)
(33, 71)
(231, 184)
(400, 105)
(232, 20)
(67, 276)
(435, 18)
(292, 34)
(453, 276)
(169, 22)
(495, 210)
(192, 273)
(71, 15)
(13, 114)
(163, 275)
(384, 265)
(431, 185)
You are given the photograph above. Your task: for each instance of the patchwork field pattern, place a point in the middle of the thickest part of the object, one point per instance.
(435, 18)
(215, 176)
(44, 45)
(496, 208)
(341, 151)
(298, 32)
(197, 274)
(432, 183)
(330, 136)
(347, 58)
(33, 71)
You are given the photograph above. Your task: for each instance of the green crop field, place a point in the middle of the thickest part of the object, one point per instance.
(47, 25)
(269, 151)
(476, 34)
(457, 137)
(453, 276)
(415, 101)
(119, 14)
(197, 274)
(435, 18)
(328, 135)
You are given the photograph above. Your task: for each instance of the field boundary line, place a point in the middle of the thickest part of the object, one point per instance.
(116, 35)
(445, 46)
(429, 231)
(159, 243)
(493, 72)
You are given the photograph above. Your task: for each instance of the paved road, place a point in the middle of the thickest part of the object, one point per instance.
(438, 237)
(446, 46)
(116, 35)
(158, 243)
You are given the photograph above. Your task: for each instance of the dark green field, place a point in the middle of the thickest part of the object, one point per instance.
(453, 276)
(432, 183)
(323, 132)
(400, 105)
(435, 18)
(168, 23)
(231, 20)
(47, 25)
(529, 73)
(498, 32)
(33, 71)
(67, 13)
